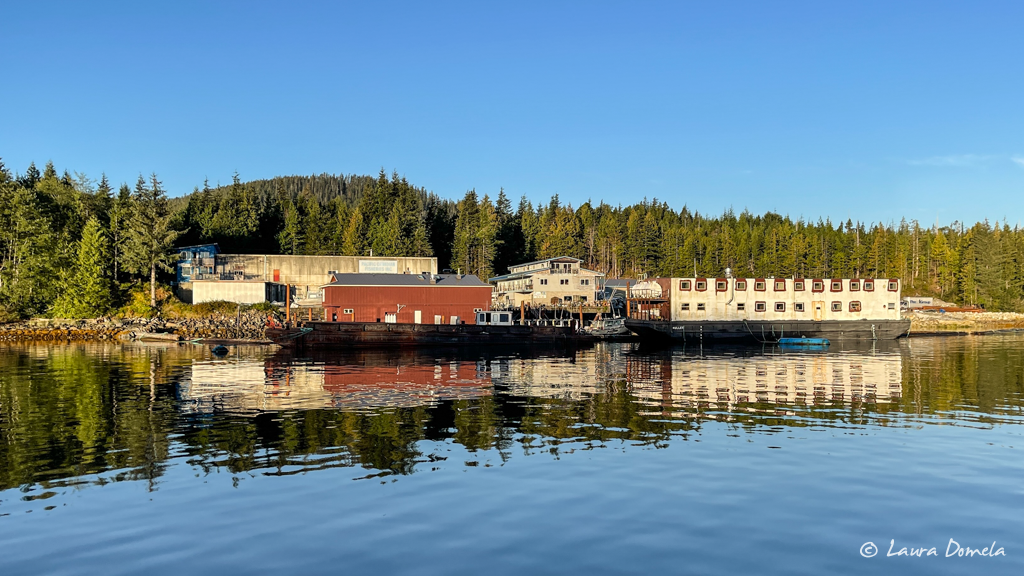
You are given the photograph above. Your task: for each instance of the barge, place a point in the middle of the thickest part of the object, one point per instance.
(766, 309)
(357, 334)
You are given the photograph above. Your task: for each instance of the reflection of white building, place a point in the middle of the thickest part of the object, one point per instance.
(590, 373)
(253, 386)
(683, 381)
(781, 379)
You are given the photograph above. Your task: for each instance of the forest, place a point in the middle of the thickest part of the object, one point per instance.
(74, 247)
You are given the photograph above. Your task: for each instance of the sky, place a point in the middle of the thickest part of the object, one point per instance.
(871, 111)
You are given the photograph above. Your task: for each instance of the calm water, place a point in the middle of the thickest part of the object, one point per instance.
(610, 460)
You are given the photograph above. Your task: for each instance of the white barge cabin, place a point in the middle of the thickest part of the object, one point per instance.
(767, 308)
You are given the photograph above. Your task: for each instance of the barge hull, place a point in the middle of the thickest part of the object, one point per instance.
(357, 334)
(760, 331)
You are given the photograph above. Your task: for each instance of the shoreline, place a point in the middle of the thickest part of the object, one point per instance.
(249, 328)
(245, 328)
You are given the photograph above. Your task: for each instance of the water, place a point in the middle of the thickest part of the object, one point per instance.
(610, 460)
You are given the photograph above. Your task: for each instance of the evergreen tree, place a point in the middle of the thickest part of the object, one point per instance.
(151, 237)
(87, 291)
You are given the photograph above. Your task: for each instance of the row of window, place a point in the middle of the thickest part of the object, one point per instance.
(566, 281)
(721, 285)
(837, 306)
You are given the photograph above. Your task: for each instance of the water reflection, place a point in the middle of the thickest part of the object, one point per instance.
(90, 414)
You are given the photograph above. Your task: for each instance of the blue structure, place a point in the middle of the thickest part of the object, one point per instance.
(197, 262)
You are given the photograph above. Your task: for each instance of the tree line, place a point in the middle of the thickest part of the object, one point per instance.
(73, 247)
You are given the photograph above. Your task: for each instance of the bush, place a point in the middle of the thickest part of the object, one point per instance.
(265, 307)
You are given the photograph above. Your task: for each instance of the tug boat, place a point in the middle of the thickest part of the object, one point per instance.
(607, 328)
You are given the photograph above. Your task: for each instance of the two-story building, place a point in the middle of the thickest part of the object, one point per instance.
(559, 280)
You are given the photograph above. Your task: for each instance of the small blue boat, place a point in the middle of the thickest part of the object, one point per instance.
(816, 342)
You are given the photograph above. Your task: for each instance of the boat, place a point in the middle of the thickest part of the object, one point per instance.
(766, 310)
(804, 342)
(607, 328)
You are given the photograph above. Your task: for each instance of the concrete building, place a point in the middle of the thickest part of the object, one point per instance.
(774, 299)
(405, 298)
(204, 275)
(560, 280)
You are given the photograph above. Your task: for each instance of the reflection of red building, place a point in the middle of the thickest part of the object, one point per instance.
(405, 298)
(414, 385)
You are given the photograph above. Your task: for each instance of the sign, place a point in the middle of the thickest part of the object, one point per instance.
(378, 266)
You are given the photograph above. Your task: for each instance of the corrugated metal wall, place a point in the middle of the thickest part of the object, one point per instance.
(371, 303)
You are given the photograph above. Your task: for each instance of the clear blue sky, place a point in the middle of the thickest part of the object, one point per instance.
(870, 111)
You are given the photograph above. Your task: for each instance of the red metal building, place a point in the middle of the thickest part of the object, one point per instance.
(405, 298)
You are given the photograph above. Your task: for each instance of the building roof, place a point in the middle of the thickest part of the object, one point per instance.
(443, 280)
(615, 282)
(525, 273)
(208, 244)
(546, 260)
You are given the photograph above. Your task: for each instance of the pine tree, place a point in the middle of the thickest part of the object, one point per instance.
(352, 239)
(87, 291)
(151, 237)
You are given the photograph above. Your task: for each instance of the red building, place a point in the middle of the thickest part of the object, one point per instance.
(405, 298)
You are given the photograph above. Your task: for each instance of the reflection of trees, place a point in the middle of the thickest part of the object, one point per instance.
(983, 374)
(73, 411)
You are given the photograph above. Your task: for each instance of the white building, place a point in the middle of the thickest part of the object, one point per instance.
(560, 280)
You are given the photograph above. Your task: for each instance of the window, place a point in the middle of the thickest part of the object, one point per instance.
(894, 285)
(721, 285)
(348, 311)
(741, 285)
(837, 306)
(504, 317)
(702, 285)
(700, 307)
(869, 285)
(798, 307)
(892, 305)
(686, 307)
(740, 307)
(684, 284)
(798, 285)
(543, 281)
(584, 281)
(759, 285)
(818, 286)
(855, 306)
(780, 306)
(760, 306)
(478, 309)
(780, 285)
(564, 281)
(854, 285)
(837, 285)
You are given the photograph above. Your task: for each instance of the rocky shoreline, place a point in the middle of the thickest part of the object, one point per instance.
(956, 323)
(249, 326)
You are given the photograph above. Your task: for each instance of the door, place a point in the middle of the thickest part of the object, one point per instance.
(417, 317)
(819, 306)
(437, 319)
